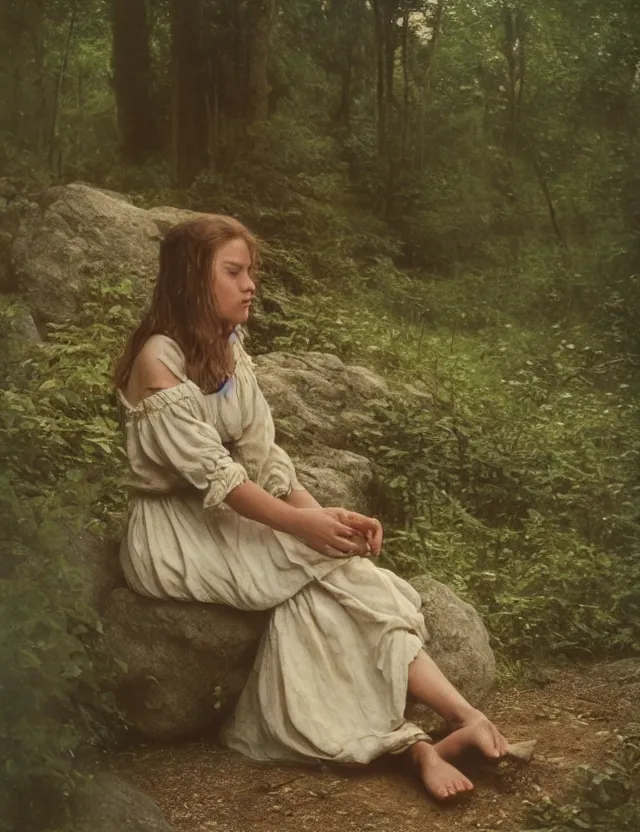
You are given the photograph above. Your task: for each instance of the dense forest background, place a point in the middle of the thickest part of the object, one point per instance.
(450, 192)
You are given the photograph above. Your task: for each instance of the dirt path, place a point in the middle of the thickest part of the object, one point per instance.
(574, 714)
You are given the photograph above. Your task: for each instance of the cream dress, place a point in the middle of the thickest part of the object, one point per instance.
(330, 678)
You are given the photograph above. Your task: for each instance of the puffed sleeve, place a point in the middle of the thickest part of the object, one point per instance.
(171, 433)
(267, 463)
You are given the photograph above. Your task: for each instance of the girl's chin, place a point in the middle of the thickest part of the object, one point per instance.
(240, 317)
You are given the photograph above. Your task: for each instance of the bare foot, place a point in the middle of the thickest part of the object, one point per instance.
(440, 779)
(476, 731)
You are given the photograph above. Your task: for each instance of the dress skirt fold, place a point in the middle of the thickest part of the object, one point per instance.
(330, 679)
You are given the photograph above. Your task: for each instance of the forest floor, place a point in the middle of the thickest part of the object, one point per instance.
(575, 714)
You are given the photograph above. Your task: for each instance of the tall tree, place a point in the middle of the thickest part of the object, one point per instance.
(189, 91)
(260, 15)
(132, 81)
(55, 153)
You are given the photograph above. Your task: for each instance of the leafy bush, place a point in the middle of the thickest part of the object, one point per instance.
(509, 469)
(60, 445)
(605, 799)
(51, 704)
(58, 409)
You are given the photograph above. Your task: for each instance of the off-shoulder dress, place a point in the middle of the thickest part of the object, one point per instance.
(330, 677)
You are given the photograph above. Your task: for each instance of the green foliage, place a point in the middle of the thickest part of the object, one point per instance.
(58, 410)
(605, 798)
(52, 708)
(62, 461)
(490, 465)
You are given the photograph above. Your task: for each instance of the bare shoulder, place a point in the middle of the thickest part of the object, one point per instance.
(158, 345)
(158, 366)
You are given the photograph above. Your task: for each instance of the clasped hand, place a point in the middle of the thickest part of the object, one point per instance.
(339, 533)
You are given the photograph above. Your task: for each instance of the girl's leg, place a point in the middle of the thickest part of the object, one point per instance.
(430, 686)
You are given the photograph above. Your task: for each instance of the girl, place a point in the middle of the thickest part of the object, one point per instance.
(217, 515)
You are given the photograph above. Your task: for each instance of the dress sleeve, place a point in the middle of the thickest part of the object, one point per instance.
(172, 433)
(267, 464)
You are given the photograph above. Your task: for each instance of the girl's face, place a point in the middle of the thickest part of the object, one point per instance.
(233, 287)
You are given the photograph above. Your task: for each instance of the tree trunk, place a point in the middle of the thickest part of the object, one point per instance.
(260, 22)
(189, 121)
(544, 187)
(54, 132)
(391, 13)
(436, 27)
(346, 20)
(405, 83)
(514, 24)
(80, 110)
(132, 78)
(381, 78)
(36, 33)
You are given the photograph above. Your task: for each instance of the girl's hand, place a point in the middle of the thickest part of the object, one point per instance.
(322, 530)
(368, 528)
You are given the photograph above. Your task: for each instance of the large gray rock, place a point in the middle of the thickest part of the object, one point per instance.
(336, 478)
(317, 401)
(185, 660)
(96, 567)
(71, 236)
(180, 664)
(315, 398)
(108, 804)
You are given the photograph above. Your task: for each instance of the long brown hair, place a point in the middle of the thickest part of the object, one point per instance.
(183, 305)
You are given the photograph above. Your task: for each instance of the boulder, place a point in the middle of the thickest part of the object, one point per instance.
(17, 327)
(336, 478)
(108, 804)
(317, 401)
(180, 664)
(315, 398)
(70, 236)
(26, 329)
(183, 665)
(96, 567)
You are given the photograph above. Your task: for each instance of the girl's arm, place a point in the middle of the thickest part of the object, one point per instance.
(301, 498)
(316, 527)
